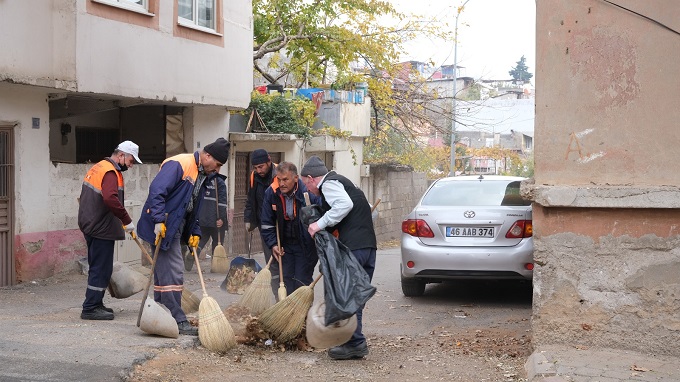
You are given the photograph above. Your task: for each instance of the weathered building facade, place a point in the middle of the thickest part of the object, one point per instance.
(79, 76)
(606, 196)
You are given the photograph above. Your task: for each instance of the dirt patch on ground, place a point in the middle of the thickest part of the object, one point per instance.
(461, 332)
(471, 355)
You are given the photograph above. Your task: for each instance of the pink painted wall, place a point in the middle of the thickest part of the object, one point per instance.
(41, 255)
(607, 84)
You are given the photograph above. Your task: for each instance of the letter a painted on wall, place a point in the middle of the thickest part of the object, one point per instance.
(574, 140)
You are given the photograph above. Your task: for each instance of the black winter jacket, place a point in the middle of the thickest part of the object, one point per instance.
(257, 185)
(207, 217)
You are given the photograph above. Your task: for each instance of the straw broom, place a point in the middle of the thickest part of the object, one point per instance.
(189, 300)
(214, 330)
(285, 320)
(219, 263)
(282, 286)
(258, 295)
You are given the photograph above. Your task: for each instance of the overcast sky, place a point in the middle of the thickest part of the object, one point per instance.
(492, 35)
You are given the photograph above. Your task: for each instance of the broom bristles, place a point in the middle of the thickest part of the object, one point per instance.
(220, 262)
(286, 318)
(214, 330)
(258, 295)
(190, 302)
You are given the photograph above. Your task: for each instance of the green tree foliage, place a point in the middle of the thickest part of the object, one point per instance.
(524, 168)
(284, 115)
(520, 73)
(349, 41)
(321, 35)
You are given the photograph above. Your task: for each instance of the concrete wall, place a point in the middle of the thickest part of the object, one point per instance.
(354, 117)
(45, 53)
(399, 189)
(92, 47)
(606, 207)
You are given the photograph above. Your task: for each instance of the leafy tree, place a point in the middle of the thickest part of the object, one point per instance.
(322, 35)
(347, 41)
(282, 115)
(524, 168)
(520, 73)
(510, 157)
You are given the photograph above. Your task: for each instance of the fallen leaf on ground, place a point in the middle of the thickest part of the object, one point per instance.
(638, 368)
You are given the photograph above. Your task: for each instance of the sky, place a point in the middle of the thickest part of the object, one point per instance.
(492, 35)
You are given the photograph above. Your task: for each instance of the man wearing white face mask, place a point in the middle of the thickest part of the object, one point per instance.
(103, 219)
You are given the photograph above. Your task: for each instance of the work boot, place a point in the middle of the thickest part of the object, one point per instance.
(348, 351)
(97, 313)
(106, 308)
(189, 261)
(186, 328)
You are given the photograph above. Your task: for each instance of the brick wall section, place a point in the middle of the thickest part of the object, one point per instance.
(399, 189)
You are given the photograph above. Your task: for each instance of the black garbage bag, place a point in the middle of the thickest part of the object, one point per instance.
(347, 286)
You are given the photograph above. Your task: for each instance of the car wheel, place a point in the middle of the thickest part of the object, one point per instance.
(412, 287)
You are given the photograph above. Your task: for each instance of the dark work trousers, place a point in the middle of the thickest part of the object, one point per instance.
(208, 233)
(297, 267)
(100, 260)
(169, 279)
(366, 257)
(274, 267)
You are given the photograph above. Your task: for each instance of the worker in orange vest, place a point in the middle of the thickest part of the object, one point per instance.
(262, 176)
(103, 219)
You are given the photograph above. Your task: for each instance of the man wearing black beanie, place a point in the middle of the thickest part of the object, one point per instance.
(170, 217)
(262, 176)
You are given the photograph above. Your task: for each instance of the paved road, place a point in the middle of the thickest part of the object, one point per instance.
(44, 339)
(453, 306)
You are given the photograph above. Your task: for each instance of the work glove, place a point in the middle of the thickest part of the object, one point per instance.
(159, 231)
(193, 241)
(250, 227)
(130, 228)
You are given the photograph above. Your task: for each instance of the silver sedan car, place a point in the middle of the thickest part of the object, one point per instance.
(467, 227)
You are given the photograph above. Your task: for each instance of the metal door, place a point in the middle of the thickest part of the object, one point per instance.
(239, 234)
(238, 228)
(7, 267)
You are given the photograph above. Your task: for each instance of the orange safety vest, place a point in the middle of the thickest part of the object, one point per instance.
(252, 176)
(95, 176)
(94, 217)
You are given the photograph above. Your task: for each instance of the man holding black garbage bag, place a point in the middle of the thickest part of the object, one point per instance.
(346, 210)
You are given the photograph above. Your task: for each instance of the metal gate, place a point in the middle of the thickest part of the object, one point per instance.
(239, 234)
(7, 267)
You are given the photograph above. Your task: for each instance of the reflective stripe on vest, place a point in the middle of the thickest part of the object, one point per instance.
(94, 177)
(188, 163)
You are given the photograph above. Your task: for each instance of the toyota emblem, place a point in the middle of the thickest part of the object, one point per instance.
(469, 214)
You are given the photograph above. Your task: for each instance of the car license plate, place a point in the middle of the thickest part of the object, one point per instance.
(469, 232)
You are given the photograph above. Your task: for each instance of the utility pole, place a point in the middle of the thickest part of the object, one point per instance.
(452, 169)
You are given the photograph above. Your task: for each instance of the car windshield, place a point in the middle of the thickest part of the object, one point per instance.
(475, 193)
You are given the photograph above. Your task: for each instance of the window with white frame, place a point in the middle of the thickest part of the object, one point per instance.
(199, 13)
(139, 5)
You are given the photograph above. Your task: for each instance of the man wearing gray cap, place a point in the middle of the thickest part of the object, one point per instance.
(103, 219)
(346, 211)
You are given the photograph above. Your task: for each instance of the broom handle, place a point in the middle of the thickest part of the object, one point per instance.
(200, 274)
(278, 244)
(148, 284)
(269, 262)
(134, 237)
(315, 281)
(217, 205)
(375, 205)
